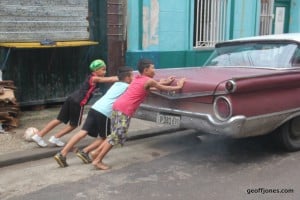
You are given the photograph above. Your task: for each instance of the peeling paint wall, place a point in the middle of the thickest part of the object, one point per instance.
(162, 31)
(295, 16)
(150, 24)
(244, 18)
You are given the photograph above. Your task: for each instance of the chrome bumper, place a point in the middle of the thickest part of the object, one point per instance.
(237, 126)
(200, 121)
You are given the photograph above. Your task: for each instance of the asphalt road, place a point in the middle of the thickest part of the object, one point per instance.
(179, 166)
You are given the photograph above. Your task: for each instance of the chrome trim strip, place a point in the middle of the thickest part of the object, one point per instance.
(172, 96)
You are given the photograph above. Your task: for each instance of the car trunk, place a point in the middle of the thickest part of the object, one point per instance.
(207, 80)
(201, 86)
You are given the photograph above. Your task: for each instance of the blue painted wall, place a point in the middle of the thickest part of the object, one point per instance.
(163, 30)
(158, 25)
(244, 18)
(295, 16)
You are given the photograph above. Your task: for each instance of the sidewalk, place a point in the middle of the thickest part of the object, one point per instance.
(14, 149)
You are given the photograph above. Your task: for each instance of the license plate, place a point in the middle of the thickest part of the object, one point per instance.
(172, 120)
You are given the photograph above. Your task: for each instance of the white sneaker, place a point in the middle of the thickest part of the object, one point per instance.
(56, 141)
(39, 140)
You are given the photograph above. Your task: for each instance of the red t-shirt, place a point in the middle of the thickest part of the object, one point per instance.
(131, 99)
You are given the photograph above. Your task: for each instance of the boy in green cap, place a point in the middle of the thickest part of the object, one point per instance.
(72, 109)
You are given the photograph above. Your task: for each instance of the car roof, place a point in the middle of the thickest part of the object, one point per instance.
(277, 37)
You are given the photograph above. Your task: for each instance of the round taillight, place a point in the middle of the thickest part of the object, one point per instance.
(222, 108)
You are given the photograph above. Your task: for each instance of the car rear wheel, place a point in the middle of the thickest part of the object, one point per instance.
(289, 135)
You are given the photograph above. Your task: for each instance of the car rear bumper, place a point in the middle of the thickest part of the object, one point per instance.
(201, 121)
(237, 126)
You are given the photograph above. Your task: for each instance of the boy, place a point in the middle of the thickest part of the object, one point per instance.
(126, 105)
(97, 122)
(72, 109)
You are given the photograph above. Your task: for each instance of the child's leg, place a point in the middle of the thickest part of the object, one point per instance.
(97, 150)
(65, 130)
(74, 140)
(48, 127)
(119, 126)
(93, 145)
(105, 148)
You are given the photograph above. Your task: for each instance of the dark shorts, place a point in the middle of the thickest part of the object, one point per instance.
(96, 124)
(70, 112)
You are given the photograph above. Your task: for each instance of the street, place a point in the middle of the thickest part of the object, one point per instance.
(181, 165)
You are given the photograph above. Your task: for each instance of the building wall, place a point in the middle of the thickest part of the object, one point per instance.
(158, 25)
(294, 25)
(244, 18)
(163, 31)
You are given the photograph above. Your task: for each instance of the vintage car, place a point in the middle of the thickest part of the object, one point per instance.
(248, 87)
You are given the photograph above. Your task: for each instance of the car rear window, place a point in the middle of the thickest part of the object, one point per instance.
(271, 55)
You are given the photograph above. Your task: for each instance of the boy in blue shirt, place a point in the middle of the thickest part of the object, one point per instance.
(98, 119)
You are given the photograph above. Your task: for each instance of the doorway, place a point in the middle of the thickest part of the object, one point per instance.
(281, 16)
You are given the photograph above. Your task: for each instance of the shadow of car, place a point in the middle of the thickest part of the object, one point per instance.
(248, 87)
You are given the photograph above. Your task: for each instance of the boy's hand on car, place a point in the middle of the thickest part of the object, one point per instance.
(167, 81)
(171, 79)
(180, 82)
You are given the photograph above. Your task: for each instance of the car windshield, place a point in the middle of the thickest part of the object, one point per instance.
(271, 55)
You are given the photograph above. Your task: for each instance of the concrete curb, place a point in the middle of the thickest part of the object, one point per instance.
(40, 153)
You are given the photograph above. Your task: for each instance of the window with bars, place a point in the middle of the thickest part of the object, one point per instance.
(266, 17)
(210, 22)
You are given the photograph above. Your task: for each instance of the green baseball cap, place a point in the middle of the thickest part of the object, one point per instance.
(97, 64)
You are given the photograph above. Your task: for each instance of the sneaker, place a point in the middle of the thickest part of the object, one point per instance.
(39, 140)
(83, 156)
(61, 160)
(56, 141)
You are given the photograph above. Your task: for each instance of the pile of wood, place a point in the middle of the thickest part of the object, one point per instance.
(9, 108)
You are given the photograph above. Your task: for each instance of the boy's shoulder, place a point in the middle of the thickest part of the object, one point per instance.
(119, 84)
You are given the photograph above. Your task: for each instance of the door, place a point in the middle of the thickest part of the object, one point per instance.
(281, 16)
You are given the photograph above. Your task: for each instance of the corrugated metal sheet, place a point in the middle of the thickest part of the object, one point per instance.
(31, 20)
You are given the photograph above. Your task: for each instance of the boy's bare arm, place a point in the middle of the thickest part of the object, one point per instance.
(109, 79)
(167, 81)
(154, 84)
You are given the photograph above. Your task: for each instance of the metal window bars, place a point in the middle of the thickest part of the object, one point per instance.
(210, 19)
(266, 17)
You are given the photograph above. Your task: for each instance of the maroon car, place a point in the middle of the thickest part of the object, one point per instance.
(248, 87)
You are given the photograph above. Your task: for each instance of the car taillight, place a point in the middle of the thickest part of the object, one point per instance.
(230, 86)
(222, 108)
